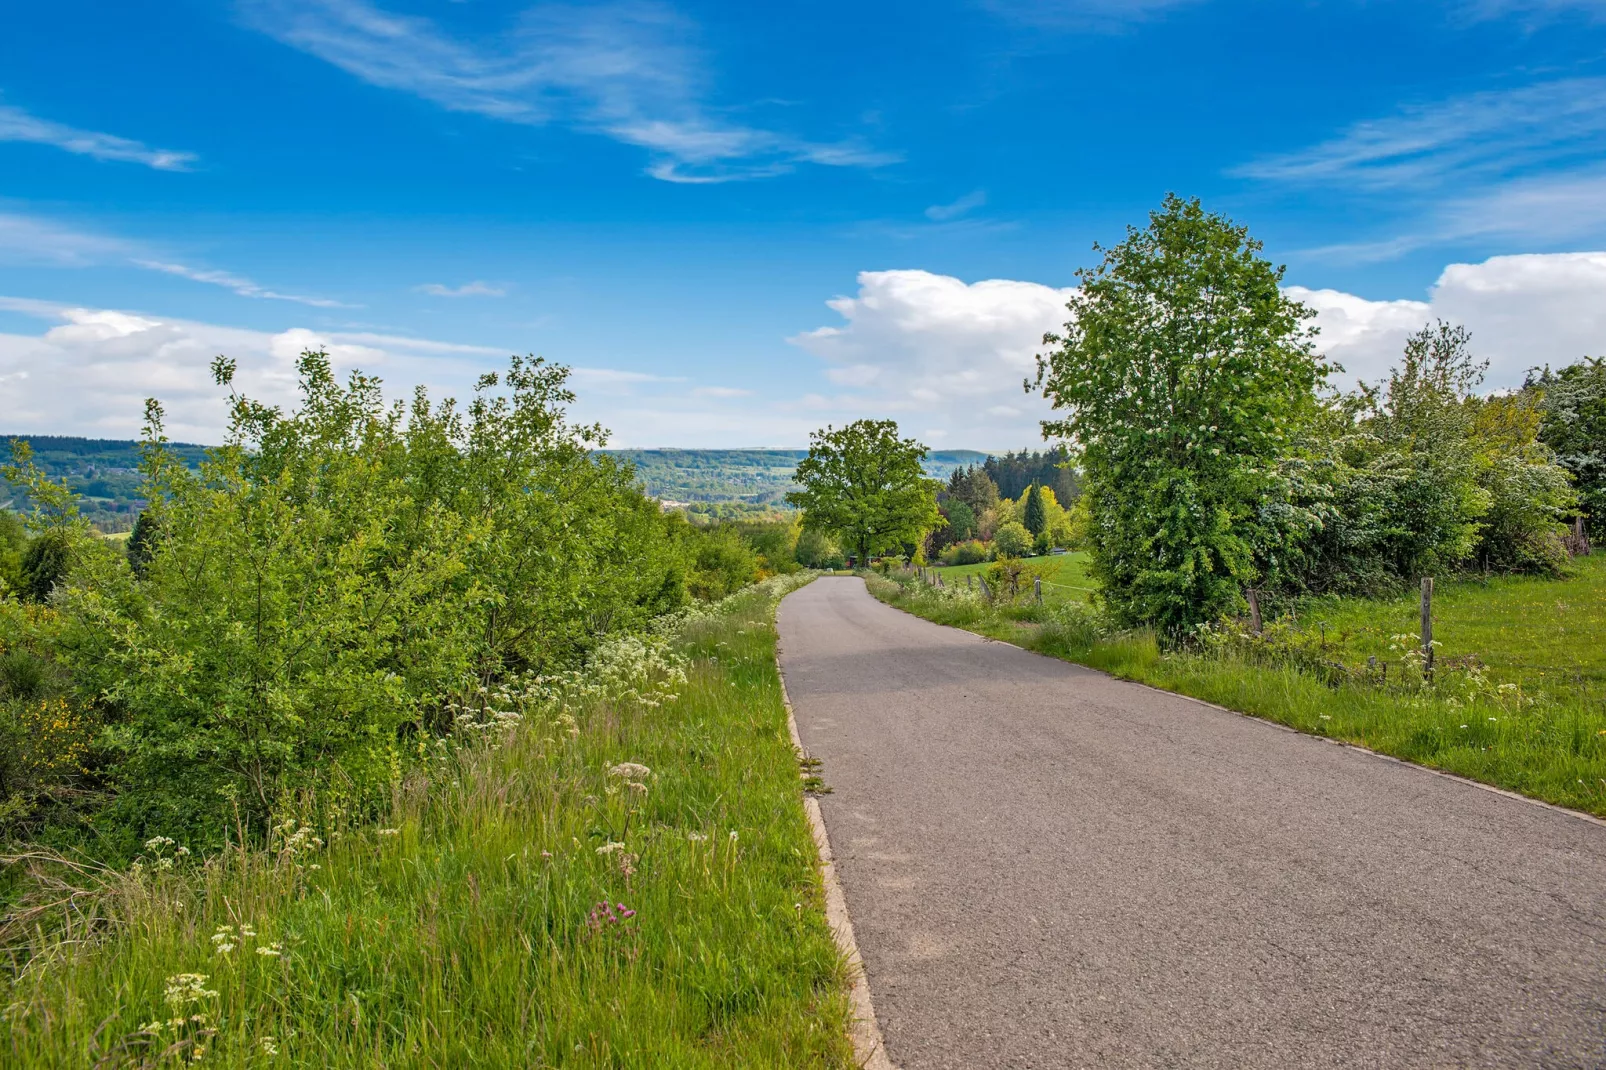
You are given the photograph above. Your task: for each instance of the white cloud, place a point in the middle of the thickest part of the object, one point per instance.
(18, 125)
(468, 289)
(1516, 163)
(930, 350)
(926, 346)
(30, 240)
(1523, 311)
(721, 392)
(625, 70)
(941, 213)
(229, 281)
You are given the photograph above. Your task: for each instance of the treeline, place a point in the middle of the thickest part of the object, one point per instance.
(104, 473)
(1216, 455)
(321, 602)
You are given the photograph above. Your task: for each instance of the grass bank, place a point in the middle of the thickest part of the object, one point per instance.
(1065, 576)
(1519, 700)
(619, 875)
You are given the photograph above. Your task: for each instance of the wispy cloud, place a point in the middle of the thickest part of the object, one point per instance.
(721, 392)
(1480, 136)
(230, 281)
(1102, 15)
(1533, 10)
(628, 71)
(1520, 163)
(941, 213)
(468, 289)
(18, 125)
(31, 240)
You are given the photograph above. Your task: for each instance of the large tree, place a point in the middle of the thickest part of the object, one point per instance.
(1184, 374)
(865, 485)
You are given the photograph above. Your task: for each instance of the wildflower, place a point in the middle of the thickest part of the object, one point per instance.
(268, 1045)
(224, 948)
(610, 848)
(186, 988)
(271, 951)
(733, 835)
(157, 843)
(390, 832)
(630, 771)
(700, 837)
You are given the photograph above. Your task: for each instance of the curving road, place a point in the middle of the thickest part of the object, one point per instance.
(1047, 867)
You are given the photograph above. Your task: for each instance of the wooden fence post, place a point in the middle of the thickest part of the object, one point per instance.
(1254, 610)
(1037, 588)
(1427, 625)
(985, 593)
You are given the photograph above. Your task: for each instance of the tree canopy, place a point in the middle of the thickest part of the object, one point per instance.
(1184, 375)
(865, 485)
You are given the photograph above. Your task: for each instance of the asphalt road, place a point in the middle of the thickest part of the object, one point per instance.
(1047, 867)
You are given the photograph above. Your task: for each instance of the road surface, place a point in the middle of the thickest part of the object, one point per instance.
(1047, 867)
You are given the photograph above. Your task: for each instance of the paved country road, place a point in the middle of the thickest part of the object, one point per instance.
(1047, 867)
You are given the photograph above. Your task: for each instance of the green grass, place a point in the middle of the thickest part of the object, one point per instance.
(1065, 576)
(466, 937)
(1543, 734)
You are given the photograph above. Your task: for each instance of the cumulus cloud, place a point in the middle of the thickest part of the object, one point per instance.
(91, 369)
(468, 289)
(628, 71)
(18, 125)
(1523, 311)
(937, 351)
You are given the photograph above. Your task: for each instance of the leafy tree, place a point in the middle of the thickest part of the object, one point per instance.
(867, 486)
(975, 488)
(142, 541)
(1032, 513)
(45, 563)
(1185, 374)
(1573, 404)
(1012, 540)
(815, 549)
(13, 540)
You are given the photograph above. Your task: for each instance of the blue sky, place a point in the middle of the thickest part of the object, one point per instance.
(742, 221)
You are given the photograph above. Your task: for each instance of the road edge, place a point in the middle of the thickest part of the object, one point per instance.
(1346, 744)
(868, 1047)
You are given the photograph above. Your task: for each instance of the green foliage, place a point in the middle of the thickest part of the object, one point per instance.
(1012, 540)
(332, 586)
(969, 552)
(13, 541)
(1573, 403)
(866, 485)
(1186, 375)
(103, 473)
(973, 487)
(775, 542)
(45, 563)
(471, 930)
(816, 549)
(1032, 513)
(722, 562)
(142, 542)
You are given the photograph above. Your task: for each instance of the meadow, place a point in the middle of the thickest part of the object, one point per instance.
(1065, 576)
(619, 873)
(1518, 698)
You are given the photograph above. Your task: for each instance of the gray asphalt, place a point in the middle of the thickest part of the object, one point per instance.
(1047, 867)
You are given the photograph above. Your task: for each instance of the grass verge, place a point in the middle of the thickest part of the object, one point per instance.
(1494, 712)
(535, 901)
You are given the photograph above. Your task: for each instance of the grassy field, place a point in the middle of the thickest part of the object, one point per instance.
(1065, 576)
(536, 902)
(1519, 700)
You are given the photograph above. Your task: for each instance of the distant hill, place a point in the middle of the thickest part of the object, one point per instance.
(106, 473)
(759, 477)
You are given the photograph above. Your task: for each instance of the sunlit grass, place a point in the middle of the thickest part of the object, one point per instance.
(1065, 576)
(1543, 734)
(482, 926)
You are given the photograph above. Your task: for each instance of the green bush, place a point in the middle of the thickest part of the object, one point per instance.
(969, 552)
(336, 588)
(1012, 540)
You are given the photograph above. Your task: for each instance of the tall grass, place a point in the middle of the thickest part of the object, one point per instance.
(625, 881)
(1476, 721)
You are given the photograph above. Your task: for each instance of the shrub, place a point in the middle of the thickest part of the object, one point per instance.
(969, 552)
(335, 587)
(1012, 540)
